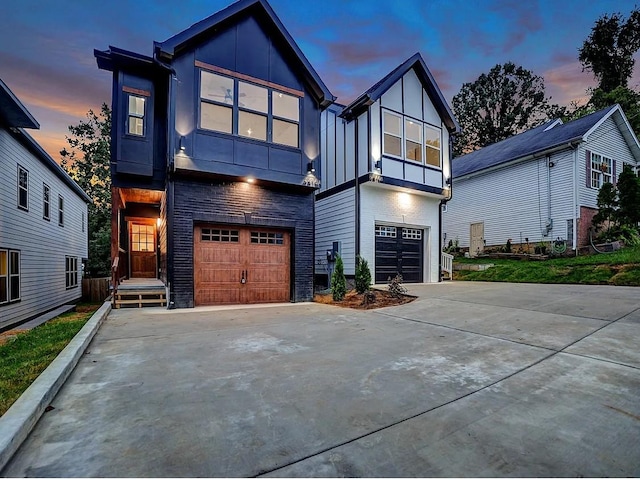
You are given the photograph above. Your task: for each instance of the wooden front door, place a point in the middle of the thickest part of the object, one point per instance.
(241, 265)
(476, 244)
(142, 245)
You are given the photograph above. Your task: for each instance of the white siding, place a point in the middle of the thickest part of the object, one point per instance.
(392, 98)
(339, 156)
(363, 146)
(43, 244)
(430, 113)
(513, 202)
(394, 207)
(376, 135)
(412, 95)
(350, 149)
(336, 222)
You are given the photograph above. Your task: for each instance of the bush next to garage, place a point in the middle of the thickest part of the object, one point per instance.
(338, 281)
(363, 275)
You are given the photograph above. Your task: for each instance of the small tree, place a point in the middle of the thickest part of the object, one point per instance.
(363, 275)
(628, 198)
(338, 282)
(607, 206)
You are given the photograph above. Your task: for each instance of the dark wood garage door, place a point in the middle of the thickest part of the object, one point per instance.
(241, 265)
(399, 250)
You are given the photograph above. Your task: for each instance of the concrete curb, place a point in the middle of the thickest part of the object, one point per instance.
(18, 421)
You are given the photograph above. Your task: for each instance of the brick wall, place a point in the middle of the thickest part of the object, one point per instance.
(584, 224)
(242, 204)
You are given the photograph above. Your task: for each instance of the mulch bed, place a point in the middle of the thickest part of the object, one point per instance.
(379, 299)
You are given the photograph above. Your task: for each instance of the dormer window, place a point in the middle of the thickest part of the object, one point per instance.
(261, 112)
(135, 115)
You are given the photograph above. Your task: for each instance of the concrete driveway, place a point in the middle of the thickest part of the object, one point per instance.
(471, 379)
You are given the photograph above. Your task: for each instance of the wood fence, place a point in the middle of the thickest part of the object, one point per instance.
(95, 290)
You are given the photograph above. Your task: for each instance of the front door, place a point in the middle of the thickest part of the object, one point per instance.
(142, 243)
(476, 246)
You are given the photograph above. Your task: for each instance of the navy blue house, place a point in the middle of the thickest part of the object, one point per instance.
(215, 138)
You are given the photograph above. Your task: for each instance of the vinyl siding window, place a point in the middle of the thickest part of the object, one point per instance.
(71, 272)
(601, 170)
(23, 188)
(136, 115)
(61, 210)
(46, 202)
(261, 113)
(9, 276)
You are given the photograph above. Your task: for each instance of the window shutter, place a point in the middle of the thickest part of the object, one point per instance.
(614, 178)
(588, 164)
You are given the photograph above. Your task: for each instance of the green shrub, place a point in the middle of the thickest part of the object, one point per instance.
(338, 282)
(363, 275)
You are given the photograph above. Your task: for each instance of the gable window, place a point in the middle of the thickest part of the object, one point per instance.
(46, 202)
(60, 210)
(392, 139)
(135, 116)
(23, 188)
(432, 146)
(263, 113)
(9, 276)
(601, 170)
(413, 140)
(71, 271)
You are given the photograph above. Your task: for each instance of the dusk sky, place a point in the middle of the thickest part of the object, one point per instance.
(46, 47)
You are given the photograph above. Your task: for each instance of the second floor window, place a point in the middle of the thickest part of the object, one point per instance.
(60, 210)
(409, 139)
(46, 202)
(232, 106)
(23, 188)
(135, 115)
(601, 170)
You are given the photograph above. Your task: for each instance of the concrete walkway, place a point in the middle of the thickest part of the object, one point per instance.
(472, 379)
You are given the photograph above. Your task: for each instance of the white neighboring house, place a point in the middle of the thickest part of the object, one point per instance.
(385, 170)
(540, 185)
(43, 222)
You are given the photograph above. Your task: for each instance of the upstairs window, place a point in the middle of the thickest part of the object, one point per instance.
(135, 116)
(61, 210)
(46, 201)
(392, 140)
(432, 146)
(23, 188)
(249, 110)
(413, 140)
(601, 170)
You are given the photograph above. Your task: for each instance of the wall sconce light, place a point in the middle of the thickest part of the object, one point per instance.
(310, 167)
(551, 164)
(250, 179)
(378, 165)
(158, 222)
(182, 147)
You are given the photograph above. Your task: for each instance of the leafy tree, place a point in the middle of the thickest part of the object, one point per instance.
(609, 49)
(338, 281)
(504, 102)
(607, 206)
(88, 162)
(363, 275)
(628, 198)
(627, 98)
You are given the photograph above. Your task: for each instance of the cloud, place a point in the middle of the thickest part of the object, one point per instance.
(567, 83)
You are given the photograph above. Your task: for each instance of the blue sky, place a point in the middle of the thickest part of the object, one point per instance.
(46, 48)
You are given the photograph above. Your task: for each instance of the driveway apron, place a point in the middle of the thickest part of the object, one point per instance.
(471, 379)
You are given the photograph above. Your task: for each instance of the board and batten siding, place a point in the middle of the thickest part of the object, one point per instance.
(336, 222)
(606, 140)
(43, 244)
(385, 206)
(513, 202)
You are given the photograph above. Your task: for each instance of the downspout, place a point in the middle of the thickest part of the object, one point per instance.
(574, 234)
(549, 224)
(443, 202)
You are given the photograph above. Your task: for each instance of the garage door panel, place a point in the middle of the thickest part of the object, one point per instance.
(223, 255)
(399, 250)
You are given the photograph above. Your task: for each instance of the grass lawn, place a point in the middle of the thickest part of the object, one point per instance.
(617, 268)
(25, 356)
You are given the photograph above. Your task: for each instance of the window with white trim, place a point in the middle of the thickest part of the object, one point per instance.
(61, 210)
(71, 271)
(385, 231)
(413, 140)
(406, 138)
(9, 276)
(432, 146)
(23, 188)
(412, 233)
(136, 115)
(263, 113)
(46, 202)
(601, 170)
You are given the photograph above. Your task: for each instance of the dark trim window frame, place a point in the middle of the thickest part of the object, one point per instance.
(136, 105)
(71, 271)
(10, 275)
(46, 202)
(23, 188)
(240, 107)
